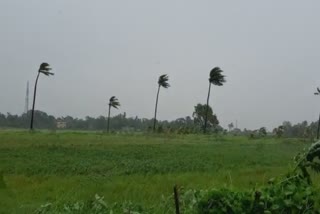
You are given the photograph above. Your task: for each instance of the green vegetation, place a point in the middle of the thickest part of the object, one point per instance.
(67, 168)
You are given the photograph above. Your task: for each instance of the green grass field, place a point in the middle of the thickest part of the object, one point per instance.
(65, 167)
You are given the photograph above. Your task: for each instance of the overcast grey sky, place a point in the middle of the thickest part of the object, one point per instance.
(269, 51)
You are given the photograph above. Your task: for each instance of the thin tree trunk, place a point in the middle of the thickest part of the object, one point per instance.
(155, 111)
(34, 101)
(207, 109)
(318, 128)
(108, 124)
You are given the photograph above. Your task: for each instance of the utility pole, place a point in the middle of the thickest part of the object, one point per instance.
(317, 93)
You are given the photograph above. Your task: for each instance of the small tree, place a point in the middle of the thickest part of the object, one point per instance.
(162, 82)
(216, 78)
(203, 112)
(113, 102)
(230, 126)
(262, 132)
(279, 131)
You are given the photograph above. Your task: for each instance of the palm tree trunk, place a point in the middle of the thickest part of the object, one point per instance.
(207, 109)
(155, 111)
(318, 128)
(108, 124)
(34, 101)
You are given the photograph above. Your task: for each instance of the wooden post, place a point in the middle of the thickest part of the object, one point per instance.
(176, 199)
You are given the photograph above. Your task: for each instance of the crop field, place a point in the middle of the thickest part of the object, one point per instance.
(47, 167)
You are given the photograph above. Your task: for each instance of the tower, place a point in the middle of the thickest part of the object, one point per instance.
(26, 106)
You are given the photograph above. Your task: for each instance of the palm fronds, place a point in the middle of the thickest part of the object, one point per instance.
(45, 69)
(113, 102)
(163, 81)
(216, 76)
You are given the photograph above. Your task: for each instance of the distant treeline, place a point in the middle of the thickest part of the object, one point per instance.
(121, 122)
(286, 129)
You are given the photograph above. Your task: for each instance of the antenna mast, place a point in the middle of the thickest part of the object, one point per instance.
(26, 107)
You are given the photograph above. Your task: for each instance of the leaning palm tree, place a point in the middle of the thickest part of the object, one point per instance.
(216, 78)
(45, 69)
(162, 82)
(318, 131)
(113, 102)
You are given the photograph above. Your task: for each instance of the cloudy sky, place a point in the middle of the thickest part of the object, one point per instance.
(269, 51)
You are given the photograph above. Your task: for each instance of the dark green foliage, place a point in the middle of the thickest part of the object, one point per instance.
(45, 69)
(293, 194)
(300, 130)
(119, 122)
(262, 132)
(199, 116)
(279, 131)
(314, 152)
(113, 102)
(216, 77)
(163, 81)
(42, 120)
(289, 196)
(160, 129)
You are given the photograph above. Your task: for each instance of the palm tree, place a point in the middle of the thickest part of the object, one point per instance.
(113, 102)
(162, 82)
(216, 78)
(45, 69)
(318, 93)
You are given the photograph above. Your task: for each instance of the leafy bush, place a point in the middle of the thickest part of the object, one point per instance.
(292, 194)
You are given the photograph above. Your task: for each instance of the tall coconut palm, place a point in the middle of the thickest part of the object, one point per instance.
(162, 82)
(318, 131)
(45, 69)
(113, 102)
(216, 78)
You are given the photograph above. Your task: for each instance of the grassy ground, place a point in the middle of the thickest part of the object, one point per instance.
(60, 167)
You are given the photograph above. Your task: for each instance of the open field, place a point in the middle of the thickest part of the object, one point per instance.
(46, 167)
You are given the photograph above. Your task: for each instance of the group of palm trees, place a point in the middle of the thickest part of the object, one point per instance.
(215, 78)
